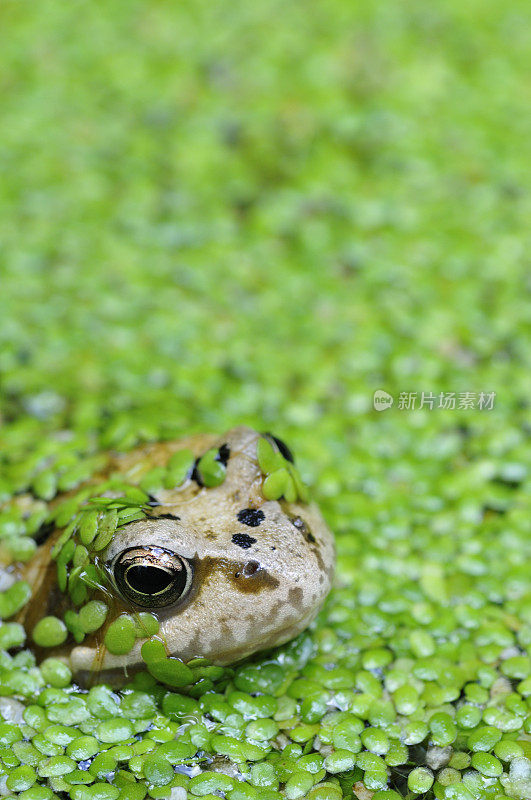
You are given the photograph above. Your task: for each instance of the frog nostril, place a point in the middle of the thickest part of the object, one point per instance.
(251, 568)
(152, 577)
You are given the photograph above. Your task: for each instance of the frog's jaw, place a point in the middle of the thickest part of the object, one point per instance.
(97, 660)
(89, 663)
(275, 638)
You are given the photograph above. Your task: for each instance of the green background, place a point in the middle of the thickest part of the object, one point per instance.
(214, 213)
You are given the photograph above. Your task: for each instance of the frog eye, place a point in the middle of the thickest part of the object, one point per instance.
(152, 577)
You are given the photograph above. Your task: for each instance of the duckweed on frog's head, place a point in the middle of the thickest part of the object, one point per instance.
(206, 544)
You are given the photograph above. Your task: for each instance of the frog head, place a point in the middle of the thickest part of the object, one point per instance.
(231, 560)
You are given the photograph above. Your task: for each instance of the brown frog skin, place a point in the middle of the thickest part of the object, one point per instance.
(253, 572)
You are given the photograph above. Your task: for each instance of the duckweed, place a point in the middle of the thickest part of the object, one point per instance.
(92, 616)
(443, 729)
(171, 671)
(83, 748)
(120, 636)
(14, 598)
(37, 793)
(192, 241)
(281, 476)
(146, 624)
(262, 729)
(55, 766)
(420, 780)
(21, 778)
(114, 730)
(12, 634)
(210, 469)
(375, 740)
(277, 484)
(487, 764)
(49, 632)
(484, 738)
(210, 783)
(339, 761)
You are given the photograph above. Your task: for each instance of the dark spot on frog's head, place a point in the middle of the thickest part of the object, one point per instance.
(301, 526)
(223, 454)
(283, 448)
(243, 540)
(251, 517)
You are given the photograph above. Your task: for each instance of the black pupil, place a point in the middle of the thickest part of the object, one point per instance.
(150, 580)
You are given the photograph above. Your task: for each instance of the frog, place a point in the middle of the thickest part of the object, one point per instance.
(215, 550)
